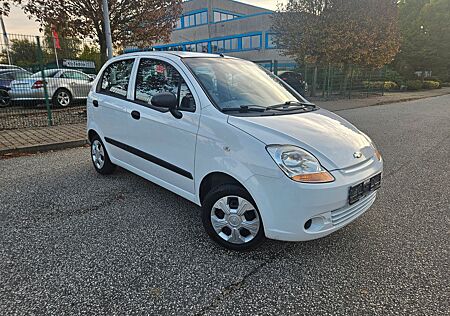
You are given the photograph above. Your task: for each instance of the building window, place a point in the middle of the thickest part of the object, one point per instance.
(270, 40)
(251, 42)
(178, 24)
(256, 41)
(216, 16)
(246, 43)
(202, 47)
(190, 48)
(194, 19)
(228, 44)
(202, 18)
(175, 48)
(224, 16)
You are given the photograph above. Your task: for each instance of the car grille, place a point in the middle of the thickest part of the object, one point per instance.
(348, 212)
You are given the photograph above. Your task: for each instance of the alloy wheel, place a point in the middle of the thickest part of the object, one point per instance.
(63, 98)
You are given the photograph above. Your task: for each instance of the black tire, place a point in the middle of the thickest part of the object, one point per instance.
(62, 98)
(5, 99)
(107, 167)
(230, 191)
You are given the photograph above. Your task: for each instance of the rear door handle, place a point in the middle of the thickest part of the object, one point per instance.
(136, 115)
(95, 103)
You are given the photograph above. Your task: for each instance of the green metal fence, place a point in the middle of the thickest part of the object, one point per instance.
(45, 81)
(329, 82)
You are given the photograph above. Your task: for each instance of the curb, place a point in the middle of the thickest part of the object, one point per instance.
(384, 102)
(44, 147)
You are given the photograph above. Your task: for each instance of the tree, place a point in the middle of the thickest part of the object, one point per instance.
(5, 6)
(133, 22)
(91, 53)
(359, 32)
(22, 52)
(425, 30)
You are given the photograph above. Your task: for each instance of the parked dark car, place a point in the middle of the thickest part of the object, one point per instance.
(6, 67)
(6, 77)
(295, 80)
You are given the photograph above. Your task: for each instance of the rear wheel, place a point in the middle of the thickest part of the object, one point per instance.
(231, 218)
(5, 99)
(100, 157)
(62, 97)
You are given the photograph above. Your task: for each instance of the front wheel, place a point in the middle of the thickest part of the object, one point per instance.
(231, 218)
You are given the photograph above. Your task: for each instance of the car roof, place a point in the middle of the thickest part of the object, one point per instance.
(181, 54)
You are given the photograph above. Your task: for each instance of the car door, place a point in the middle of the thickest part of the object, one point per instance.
(79, 83)
(164, 146)
(110, 107)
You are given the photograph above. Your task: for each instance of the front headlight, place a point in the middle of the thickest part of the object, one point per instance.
(377, 152)
(298, 164)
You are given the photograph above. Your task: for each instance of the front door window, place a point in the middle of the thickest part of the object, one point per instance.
(156, 76)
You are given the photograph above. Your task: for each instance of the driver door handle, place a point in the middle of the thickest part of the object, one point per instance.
(136, 115)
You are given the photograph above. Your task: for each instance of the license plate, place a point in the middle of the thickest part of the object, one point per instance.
(358, 191)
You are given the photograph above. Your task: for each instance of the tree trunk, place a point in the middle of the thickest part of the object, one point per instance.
(314, 82)
(346, 72)
(102, 42)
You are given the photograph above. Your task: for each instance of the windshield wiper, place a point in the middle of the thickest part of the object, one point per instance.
(286, 105)
(246, 108)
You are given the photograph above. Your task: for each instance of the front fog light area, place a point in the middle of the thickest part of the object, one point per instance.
(315, 224)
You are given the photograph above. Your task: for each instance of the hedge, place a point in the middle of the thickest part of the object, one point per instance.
(414, 84)
(428, 84)
(378, 85)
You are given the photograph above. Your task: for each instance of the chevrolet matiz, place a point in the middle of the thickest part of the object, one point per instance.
(233, 138)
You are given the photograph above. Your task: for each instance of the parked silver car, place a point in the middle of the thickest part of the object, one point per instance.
(64, 86)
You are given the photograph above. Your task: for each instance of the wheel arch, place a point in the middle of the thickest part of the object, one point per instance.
(91, 133)
(214, 179)
(62, 88)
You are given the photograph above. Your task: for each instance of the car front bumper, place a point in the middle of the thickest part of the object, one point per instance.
(285, 205)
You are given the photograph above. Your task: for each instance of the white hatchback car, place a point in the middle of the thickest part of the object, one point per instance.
(224, 133)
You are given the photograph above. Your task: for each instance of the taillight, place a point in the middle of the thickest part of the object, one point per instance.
(38, 84)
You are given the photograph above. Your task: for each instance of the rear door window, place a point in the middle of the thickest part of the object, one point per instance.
(116, 78)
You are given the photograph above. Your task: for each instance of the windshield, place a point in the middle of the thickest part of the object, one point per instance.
(232, 83)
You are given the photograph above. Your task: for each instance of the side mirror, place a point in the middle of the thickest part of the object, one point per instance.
(167, 100)
(91, 79)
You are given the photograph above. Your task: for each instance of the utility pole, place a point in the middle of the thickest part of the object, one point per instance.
(5, 39)
(109, 53)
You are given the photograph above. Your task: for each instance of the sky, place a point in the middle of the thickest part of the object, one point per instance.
(18, 23)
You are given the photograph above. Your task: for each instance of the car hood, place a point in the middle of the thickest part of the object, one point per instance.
(333, 140)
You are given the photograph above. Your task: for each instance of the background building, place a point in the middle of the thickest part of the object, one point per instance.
(226, 26)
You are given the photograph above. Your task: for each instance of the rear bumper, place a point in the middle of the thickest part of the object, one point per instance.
(286, 206)
(26, 94)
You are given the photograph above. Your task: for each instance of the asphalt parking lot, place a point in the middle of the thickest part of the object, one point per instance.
(74, 242)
